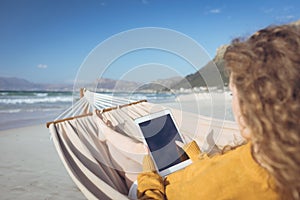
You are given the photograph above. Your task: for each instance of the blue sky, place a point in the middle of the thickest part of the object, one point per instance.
(47, 40)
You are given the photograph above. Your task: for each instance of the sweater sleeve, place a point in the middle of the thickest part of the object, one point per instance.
(150, 183)
(150, 186)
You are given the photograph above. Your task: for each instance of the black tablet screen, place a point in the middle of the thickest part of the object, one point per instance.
(160, 134)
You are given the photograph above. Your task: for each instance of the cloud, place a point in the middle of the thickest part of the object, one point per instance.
(288, 8)
(268, 10)
(42, 66)
(215, 11)
(289, 17)
(145, 1)
(285, 18)
(102, 3)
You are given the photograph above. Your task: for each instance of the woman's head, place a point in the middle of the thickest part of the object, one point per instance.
(265, 72)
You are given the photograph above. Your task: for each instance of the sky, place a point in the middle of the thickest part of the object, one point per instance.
(47, 41)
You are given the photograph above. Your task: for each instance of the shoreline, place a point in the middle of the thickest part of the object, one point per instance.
(197, 103)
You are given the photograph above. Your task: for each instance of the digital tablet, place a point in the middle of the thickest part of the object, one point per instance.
(159, 133)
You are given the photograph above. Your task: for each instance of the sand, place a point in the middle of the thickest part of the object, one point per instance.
(30, 167)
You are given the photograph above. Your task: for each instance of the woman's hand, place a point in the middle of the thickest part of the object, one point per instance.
(191, 149)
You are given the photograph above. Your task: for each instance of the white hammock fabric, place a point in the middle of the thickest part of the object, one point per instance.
(103, 152)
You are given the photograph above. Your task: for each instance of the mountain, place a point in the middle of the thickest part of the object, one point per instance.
(117, 85)
(196, 79)
(20, 84)
(12, 83)
(296, 23)
(161, 84)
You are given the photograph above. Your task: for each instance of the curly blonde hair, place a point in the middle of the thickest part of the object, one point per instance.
(265, 69)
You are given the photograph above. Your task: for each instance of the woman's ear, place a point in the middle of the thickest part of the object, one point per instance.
(245, 131)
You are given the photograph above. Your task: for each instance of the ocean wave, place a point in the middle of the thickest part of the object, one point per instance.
(34, 93)
(36, 100)
(40, 94)
(30, 110)
(11, 111)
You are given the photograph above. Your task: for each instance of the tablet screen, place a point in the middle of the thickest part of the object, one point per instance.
(160, 134)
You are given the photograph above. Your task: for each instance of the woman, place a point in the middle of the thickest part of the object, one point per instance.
(265, 83)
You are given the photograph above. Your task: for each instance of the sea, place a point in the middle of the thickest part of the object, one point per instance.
(25, 108)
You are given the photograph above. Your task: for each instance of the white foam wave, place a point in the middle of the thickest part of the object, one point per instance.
(41, 94)
(29, 110)
(11, 111)
(36, 100)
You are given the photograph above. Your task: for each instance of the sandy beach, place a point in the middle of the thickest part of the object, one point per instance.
(30, 167)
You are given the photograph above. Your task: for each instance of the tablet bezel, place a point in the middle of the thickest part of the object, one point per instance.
(155, 115)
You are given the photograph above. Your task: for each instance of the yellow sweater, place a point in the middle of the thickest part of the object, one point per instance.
(234, 175)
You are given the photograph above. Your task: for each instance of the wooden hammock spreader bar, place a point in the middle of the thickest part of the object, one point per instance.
(68, 118)
(122, 106)
(81, 92)
(90, 114)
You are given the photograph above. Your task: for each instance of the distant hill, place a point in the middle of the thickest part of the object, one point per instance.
(296, 23)
(196, 80)
(12, 83)
(161, 85)
(117, 85)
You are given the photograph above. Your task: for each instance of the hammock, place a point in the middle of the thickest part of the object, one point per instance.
(99, 145)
